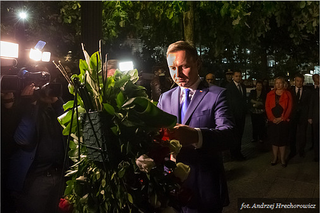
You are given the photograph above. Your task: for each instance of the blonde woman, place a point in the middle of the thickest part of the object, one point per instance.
(278, 108)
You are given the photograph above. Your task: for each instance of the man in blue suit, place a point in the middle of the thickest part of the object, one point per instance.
(205, 129)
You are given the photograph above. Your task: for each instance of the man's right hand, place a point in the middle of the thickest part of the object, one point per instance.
(186, 135)
(28, 90)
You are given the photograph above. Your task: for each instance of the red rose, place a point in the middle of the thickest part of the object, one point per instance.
(165, 134)
(65, 205)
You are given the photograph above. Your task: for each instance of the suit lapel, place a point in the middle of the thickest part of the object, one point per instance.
(175, 101)
(235, 88)
(198, 96)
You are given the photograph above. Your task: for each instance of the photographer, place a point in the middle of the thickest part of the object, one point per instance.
(35, 177)
(9, 122)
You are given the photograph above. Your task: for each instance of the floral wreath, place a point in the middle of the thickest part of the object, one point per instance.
(123, 159)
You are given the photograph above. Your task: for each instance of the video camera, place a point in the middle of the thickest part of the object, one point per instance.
(26, 76)
(41, 80)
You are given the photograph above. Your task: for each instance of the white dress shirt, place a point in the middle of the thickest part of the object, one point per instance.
(192, 89)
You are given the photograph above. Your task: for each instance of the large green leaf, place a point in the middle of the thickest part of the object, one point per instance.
(109, 108)
(151, 115)
(68, 105)
(120, 99)
(95, 65)
(83, 66)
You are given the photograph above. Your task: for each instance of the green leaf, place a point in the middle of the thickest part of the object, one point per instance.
(120, 100)
(72, 145)
(122, 23)
(98, 175)
(134, 75)
(69, 187)
(112, 176)
(66, 130)
(64, 118)
(83, 66)
(224, 9)
(103, 182)
(137, 15)
(114, 129)
(73, 153)
(130, 199)
(121, 172)
(68, 105)
(109, 108)
(121, 147)
(151, 115)
(235, 22)
(95, 65)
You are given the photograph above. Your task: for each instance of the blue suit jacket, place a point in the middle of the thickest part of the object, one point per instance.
(208, 110)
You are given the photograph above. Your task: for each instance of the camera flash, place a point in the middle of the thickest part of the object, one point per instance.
(8, 49)
(35, 54)
(126, 66)
(46, 56)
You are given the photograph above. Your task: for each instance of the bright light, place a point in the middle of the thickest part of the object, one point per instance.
(307, 74)
(46, 56)
(23, 15)
(8, 49)
(35, 54)
(126, 66)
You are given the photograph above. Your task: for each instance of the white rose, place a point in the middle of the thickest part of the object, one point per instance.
(145, 163)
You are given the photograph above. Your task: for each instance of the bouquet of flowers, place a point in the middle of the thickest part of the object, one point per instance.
(122, 156)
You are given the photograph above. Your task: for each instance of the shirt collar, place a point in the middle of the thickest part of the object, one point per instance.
(236, 83)
(193, 86)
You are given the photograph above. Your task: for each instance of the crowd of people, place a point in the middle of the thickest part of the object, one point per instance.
(277, 117)
(210, 120)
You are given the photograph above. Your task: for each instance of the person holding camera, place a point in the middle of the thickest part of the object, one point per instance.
(35, 177)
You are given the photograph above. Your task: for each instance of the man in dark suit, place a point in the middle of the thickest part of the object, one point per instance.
(313, 116)
(204, 129)
(227, 79)
(299, 117)
(237, 99)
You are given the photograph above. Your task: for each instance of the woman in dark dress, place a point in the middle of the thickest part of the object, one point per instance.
(257, 100)
(278, 109)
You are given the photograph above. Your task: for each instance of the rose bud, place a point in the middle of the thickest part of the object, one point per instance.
(181, 171)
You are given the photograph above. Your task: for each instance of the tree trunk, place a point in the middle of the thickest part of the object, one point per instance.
(91, 25)
(188, 23)
(264, 60)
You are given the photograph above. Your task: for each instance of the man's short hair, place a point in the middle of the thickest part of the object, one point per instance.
(298, 75)
(112, 64)
(259, 82)
(238, 71)
(183, 45)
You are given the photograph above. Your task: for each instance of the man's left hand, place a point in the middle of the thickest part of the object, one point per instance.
(186, 135)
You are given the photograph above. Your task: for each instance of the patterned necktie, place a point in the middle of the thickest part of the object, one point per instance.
(185, 103)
